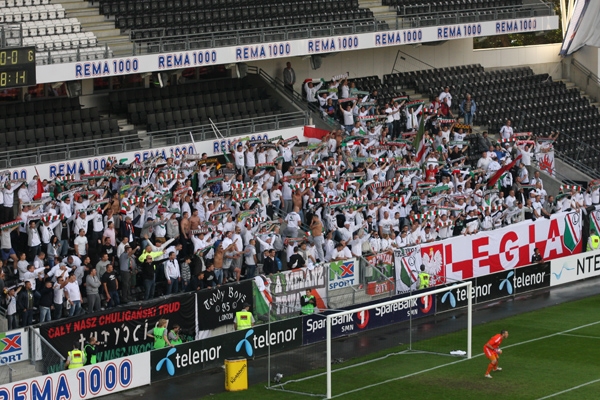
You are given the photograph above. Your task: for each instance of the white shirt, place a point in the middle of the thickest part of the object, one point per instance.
(72, 288)
(506, 132)
(81, 242)
(343, 254)
(172, 269)
(293, 220)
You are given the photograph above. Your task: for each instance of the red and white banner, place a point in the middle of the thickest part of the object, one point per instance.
(465, 257)
(546, 162)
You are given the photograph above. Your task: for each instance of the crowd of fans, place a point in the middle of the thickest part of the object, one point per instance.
(141, 228)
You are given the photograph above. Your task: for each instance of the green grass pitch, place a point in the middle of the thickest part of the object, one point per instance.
(550, 353)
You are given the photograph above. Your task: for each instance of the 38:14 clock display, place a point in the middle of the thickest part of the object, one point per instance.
(17, 67)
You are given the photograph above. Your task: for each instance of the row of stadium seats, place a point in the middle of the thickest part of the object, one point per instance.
(49, 105)
(65, 134)
(194, 103)
(21, 3)
(168, 18)
(50, 27)
(80, 54)
(59, 42)
(410, 7)
(274, 9)
(51, 119)
(119, 100)
(31, 13)
(200, 115)
(200, 22)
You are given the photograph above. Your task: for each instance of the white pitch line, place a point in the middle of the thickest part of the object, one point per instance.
(582, 336)
(570, 390)
(477, 355)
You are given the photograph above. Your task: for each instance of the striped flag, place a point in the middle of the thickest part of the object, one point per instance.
(419, 143)
(572, 235)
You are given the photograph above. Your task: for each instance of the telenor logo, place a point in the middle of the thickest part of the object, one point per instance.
(167, 363)
(450, 297)
(506, 282)
(246, 344)
(565, 267)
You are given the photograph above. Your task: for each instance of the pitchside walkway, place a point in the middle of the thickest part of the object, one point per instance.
(212, 381)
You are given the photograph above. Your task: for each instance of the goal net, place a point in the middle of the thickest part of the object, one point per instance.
(347, 351)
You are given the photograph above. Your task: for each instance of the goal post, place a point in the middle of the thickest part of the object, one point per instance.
(391, 303)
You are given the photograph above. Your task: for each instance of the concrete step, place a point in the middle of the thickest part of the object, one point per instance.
(105, 33)
(379, 9)
(98, 26)
(76, 5)
(82, 12)
(63, 2)
(369, 3)
(21, 371)
(90, 19)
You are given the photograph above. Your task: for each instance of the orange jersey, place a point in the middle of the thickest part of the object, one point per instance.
(495, 341)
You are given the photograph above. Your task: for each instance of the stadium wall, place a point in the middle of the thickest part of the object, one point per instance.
(380, 61)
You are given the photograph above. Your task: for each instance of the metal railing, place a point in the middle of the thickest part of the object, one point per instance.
(585, 79)
(11, 35)
(40, 349)
(212, 40)
(294, 96)
(6, 374)
(422, 15)
(133, 141)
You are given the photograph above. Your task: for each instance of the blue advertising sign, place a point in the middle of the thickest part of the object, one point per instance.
(314, 326)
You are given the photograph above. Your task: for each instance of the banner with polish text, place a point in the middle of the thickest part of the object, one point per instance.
(121, 331)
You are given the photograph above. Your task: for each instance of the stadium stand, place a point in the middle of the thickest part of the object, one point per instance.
(56, 36)
(50, 122)
(406, 7)
(194, 103)
(534, 102)
(152, 19)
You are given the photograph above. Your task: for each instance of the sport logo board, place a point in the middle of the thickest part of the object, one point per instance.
(11, 347)
(343, 274)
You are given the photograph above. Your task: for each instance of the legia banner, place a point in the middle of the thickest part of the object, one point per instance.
(382, 280)
(217, 307)
(465, 257)
(122, 331)
(282, 291)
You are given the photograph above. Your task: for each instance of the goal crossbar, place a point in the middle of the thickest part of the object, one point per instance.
(330, 317)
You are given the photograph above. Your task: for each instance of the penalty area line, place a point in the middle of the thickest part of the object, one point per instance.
(569, 390)
(581, 336)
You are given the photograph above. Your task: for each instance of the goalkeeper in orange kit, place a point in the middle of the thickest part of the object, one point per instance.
(492, 352)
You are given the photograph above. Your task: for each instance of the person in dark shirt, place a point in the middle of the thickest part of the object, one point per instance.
(210, 279)
(537, 257)
(459, 225)
(149, 276)
(46, 301)
(109, 249)
(296, 260)
(111, 286)
(196, 282)
(269, 266)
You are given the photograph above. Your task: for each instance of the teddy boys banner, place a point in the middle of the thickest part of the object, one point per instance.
(464, 257)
